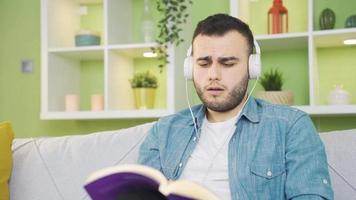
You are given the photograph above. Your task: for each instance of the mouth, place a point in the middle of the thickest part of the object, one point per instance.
(215, 90)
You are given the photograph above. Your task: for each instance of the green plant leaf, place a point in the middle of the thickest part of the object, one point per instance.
(144, 80)
(174, 14)
(272, 80)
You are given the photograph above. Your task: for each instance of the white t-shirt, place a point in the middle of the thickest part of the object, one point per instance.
(208, 164)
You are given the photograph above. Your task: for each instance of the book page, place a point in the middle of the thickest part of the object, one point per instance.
(183, 189)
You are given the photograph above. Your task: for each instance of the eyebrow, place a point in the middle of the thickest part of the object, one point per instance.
(226, 59)
(206, 58)
(220, 59)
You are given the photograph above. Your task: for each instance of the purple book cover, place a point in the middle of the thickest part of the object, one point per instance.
(126, 185)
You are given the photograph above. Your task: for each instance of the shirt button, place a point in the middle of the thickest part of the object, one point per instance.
(180, 165)
(269, 173)
(194, 139)
(325, 181)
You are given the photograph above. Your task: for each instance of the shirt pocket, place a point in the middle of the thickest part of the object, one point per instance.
(268, 180)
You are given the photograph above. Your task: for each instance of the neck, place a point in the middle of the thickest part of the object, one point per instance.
(214, 116)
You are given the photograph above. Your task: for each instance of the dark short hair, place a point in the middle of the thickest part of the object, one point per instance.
(219, 24)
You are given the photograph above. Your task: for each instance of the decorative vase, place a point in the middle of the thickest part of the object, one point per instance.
(87, 38)
(327, 19)
(97, 102)
(339, 96)
(276, 97)
(277, 19)
(147, 26)
(350, 21)
(144, 97)
(71, 103)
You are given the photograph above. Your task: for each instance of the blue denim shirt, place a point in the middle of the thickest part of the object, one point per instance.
(275, 152)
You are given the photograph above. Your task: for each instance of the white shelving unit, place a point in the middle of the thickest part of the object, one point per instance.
(311, 40)
(62, 61)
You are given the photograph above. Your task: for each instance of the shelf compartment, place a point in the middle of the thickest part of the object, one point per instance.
(293, 64)
(64, 21)
(124, 21)
(255, 14)
(73, 75)
(123, 64)
(334, 66)
(342, 9)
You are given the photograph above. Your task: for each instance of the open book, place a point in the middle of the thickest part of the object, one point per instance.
(136, 182)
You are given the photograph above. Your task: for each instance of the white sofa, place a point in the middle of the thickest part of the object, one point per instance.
(55, 168)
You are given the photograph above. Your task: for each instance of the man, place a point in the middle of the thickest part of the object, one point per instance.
(239, 147)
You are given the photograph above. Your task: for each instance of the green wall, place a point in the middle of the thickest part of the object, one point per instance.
(91, 81)
(20, 93)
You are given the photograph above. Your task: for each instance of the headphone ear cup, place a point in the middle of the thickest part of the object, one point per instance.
(188, 68)
(254, 66)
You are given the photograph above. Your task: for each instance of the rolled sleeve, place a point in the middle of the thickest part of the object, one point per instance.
(307, 169)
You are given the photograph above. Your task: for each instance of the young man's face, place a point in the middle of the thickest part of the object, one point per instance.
(220, 70)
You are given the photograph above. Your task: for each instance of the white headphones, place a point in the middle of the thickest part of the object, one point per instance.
(254, 63)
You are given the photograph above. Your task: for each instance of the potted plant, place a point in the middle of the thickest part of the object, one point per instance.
(272, 82)
(144, 86)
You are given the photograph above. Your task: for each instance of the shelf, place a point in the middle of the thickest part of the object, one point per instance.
(80, 53)
(332, 38)
(89, 1)
(127, 114)
(133, 50)
(282, 41)
(328, 109)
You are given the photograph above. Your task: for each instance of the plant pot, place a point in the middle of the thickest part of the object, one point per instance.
(144, 97)
(276, 97)
(327, 19)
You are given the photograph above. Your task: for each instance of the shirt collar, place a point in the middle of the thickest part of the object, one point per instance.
(250, 112)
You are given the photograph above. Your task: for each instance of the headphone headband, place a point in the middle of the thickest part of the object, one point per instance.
(257, 47)
(189, 51)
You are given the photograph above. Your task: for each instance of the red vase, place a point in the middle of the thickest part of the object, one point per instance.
(277, 18)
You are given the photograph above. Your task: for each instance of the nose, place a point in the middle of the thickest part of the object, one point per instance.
(214, 72)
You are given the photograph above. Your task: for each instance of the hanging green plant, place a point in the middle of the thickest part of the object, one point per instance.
(174, 15)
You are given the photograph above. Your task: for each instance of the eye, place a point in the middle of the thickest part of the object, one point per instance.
(203, 64)
(229, 64)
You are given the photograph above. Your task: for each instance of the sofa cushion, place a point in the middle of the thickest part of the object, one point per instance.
(57, 167)
(6, 137)
(340, 148)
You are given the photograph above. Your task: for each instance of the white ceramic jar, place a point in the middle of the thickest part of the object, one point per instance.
(339, 96)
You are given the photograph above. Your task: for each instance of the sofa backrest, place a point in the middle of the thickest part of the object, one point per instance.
(340, 148)
(56, 168)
